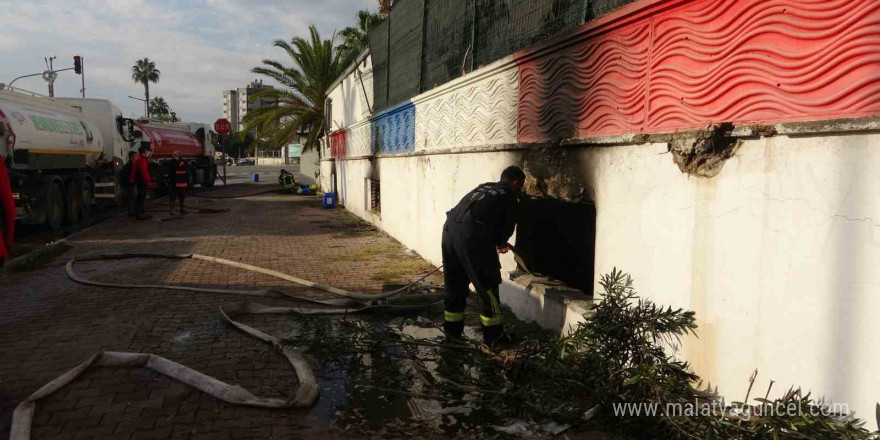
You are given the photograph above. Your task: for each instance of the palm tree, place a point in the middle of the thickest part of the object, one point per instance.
(356, 38)
(300, 100)
(145, 72)
(159, 108)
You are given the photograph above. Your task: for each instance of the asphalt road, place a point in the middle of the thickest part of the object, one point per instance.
(30, 237)
(241, 174)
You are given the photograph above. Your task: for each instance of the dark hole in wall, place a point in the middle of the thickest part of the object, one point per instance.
(558, 239)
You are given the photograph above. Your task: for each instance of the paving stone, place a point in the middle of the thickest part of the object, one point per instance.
(49, 324)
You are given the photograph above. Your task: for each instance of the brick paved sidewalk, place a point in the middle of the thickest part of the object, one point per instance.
(49, 324)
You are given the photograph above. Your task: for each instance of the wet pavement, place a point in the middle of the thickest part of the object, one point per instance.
(380, 376)
(48, 324)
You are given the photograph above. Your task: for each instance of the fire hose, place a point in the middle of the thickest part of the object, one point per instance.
(273, 190)
(306, 392)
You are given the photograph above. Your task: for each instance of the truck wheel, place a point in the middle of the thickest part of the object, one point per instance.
(88, 198)
(212, 176)
(191, 179)
(74, 202)
(55, 207)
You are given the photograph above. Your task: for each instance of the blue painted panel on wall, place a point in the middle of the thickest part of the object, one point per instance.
(393, 131)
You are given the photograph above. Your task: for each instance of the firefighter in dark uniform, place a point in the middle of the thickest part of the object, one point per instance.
(178, 182)
(476, 230)
(287, 182)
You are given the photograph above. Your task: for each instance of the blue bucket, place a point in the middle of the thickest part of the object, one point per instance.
(256, 177)
(329, 200)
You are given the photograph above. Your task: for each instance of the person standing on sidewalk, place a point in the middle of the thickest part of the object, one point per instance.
(128, 189)
(475, 232)
(140, 176)
(178, 182)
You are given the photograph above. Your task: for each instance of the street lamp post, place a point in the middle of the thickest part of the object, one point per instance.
(142, 100)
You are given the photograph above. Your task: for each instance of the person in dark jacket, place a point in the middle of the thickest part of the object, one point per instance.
(140, 177)
(287, 182)
(128, 189)
(178, 182)
(476, 230)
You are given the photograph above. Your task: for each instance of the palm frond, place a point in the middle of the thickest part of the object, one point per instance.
(299, 102)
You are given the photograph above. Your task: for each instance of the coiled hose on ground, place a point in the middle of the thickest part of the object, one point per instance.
(306, 392)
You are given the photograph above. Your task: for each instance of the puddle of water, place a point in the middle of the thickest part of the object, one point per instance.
(182, 337)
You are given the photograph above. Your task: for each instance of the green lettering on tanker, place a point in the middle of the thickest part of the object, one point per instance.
(76, 128)
(42, 123)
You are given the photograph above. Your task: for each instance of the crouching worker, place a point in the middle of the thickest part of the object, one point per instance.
(178, 182)
(285, 179)
(476, 230)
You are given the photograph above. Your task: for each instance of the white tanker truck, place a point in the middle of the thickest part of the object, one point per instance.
(62, 154)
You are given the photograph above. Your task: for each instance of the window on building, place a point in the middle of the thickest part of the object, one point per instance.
(375, 196)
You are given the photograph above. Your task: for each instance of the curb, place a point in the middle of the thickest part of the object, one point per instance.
(36, 258)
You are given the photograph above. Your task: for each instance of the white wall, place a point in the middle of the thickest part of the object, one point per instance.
(350, 104)
(308, 165)
(269, 161)
(778, 256)
(416, 192)
(478, 109)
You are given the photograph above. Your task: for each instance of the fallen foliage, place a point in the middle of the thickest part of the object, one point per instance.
(415, 383)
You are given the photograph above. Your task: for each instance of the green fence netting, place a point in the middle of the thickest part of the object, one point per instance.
(598, 8)
(448, 30)
(379, 56)
(505, 26)
(405, 58)
(435, 41)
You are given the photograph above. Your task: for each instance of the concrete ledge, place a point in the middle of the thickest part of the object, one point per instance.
(550, 304)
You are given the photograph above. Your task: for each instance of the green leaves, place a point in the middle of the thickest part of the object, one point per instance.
(159, 108)
(299, 108)
(356, 38)
(144, 71)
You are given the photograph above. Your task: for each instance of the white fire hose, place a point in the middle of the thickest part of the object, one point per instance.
(303, 396)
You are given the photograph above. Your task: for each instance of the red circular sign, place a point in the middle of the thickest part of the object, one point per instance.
(222, 126)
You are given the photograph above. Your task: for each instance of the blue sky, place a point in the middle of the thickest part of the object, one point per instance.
(202, 47)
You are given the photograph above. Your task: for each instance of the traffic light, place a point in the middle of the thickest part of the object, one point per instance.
(77, 65)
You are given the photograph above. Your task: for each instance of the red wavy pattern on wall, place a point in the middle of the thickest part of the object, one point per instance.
(754, 61)
(760, 60)
(337, 144)
(594, 87)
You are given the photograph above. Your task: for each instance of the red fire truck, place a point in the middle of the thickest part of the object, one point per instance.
(194, 141)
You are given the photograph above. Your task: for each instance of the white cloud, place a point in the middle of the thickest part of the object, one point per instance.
(202, 47)
(12, 43)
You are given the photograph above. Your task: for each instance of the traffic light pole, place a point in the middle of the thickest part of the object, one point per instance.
(82, 74)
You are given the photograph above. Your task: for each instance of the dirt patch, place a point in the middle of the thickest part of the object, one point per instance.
(370, 252)
(401, 270)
